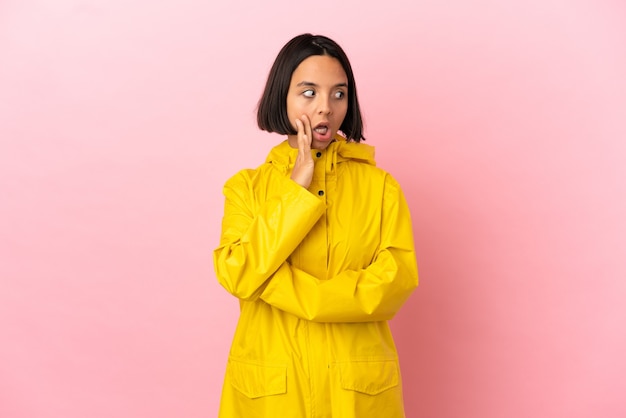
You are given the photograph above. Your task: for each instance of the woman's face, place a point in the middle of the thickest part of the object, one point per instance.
(319, 90)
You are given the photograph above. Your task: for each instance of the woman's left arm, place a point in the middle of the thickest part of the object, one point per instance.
(374, 293)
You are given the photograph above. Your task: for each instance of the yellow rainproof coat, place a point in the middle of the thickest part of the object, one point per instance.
(318, 273)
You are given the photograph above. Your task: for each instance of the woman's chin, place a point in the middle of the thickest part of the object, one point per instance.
(321, 141)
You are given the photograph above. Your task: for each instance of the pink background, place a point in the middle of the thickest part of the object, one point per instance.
(505, 122)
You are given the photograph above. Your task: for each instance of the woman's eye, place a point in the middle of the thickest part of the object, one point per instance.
(339, 95)
(308, 93)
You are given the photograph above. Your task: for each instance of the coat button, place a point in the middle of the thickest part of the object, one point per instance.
(321, 193)
(319, 154)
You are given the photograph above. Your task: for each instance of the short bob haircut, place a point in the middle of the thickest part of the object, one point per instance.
(272, 110)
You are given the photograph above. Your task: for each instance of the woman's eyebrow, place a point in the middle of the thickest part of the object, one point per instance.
(311, 84)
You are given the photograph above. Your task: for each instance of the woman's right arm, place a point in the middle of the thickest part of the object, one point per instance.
(257, 237)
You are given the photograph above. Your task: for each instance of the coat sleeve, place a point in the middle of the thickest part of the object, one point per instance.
(257, 237)
(373, 293)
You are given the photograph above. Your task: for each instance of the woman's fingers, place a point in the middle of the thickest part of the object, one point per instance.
(303, 168)
(308, 131)
(303, 126)
(302, 140)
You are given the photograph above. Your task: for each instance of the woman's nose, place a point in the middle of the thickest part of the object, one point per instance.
(324, 107)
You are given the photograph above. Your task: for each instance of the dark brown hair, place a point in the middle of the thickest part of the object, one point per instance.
(272, 111)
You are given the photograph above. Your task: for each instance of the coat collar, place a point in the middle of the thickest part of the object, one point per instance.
(283, 156)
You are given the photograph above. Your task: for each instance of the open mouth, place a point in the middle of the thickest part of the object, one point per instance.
(321, 129)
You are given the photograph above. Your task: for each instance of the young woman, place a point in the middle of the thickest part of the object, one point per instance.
(317, 245)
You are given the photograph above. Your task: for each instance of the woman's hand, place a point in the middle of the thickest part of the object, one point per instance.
(303, 169)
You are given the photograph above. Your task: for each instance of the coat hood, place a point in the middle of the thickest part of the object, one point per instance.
(283, 156)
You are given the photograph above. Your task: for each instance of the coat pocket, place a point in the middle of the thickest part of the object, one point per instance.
(369, 377)
(256, 380)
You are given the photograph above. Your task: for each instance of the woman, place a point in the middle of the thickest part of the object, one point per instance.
(317, 245)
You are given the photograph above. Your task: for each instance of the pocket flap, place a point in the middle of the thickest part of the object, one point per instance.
(256, 380)
(370, 377)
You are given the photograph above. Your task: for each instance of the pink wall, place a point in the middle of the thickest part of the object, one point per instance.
(119, 122)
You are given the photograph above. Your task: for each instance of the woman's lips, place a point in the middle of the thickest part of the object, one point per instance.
(321, 132)
(322, 129)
